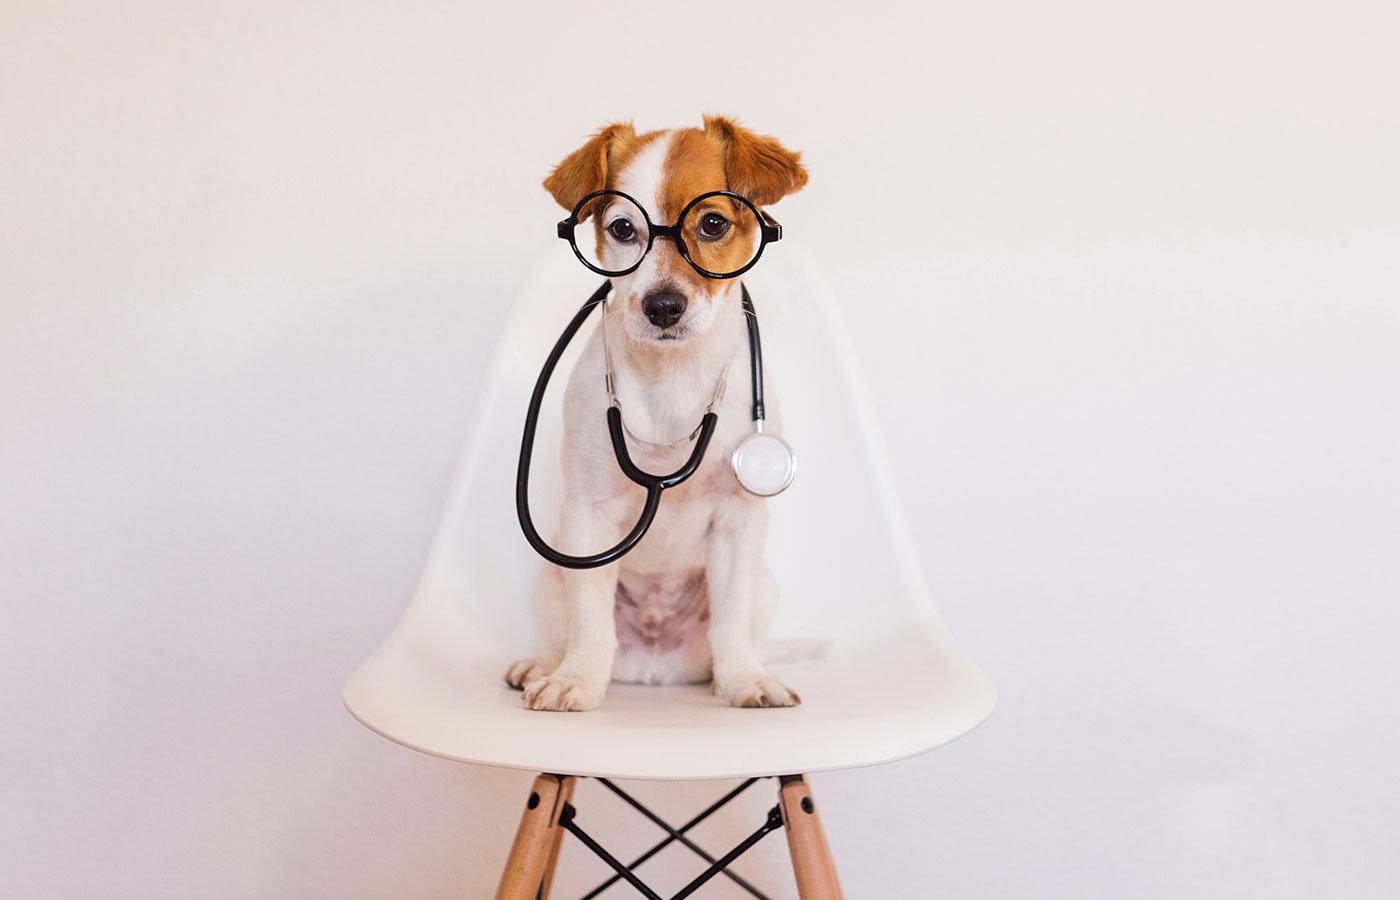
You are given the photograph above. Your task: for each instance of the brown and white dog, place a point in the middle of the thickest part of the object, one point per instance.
(693, 599)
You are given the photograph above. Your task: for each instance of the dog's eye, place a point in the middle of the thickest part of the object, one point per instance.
(713, 225)
(622, 230)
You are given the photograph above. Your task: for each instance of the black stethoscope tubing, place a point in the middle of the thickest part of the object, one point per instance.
(654, 484)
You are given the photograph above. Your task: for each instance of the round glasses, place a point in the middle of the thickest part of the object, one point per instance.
(721, 234)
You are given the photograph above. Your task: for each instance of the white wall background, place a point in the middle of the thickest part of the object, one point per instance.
(1127, 278)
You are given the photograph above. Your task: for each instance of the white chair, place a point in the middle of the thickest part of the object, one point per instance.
(893, 685)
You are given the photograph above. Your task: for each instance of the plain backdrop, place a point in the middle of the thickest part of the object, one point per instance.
(1124, 277)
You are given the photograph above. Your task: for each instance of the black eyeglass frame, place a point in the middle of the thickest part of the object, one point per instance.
(769, 231)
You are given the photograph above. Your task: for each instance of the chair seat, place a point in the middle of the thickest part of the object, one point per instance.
(875, 702)
(894, 683)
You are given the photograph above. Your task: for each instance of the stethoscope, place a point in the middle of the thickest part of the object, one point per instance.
(763, 462)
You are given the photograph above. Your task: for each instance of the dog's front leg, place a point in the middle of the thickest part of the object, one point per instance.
(582, 677)
(735, 573)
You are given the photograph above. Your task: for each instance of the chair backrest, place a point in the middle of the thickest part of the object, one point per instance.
(837, 543)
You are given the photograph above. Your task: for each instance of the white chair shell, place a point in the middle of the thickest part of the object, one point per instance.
(894, 684)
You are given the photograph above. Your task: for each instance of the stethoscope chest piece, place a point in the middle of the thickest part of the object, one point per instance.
(764, 464)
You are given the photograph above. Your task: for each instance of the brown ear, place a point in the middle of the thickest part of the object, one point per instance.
(757, 166)
(586, 169)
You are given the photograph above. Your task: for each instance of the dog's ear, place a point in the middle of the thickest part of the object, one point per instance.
(757, 166)
(586, 169)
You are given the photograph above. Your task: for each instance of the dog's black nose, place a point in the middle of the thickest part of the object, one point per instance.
(663, 309)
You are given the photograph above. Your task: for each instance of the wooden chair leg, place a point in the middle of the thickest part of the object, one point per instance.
(811, 858)
(529, 868)
(566, 794)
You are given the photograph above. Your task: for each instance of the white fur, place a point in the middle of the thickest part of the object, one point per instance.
(708, 529)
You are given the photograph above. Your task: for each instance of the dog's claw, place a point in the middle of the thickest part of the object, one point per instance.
(523, 671)
(561, 693)
(760, 691)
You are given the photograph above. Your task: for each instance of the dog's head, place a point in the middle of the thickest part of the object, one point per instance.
(665, 300)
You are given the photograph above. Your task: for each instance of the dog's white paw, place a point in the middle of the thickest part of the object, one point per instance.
(563, 693)
(757, 689)
(523, 671)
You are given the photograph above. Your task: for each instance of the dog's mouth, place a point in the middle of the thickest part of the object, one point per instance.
(678, 333)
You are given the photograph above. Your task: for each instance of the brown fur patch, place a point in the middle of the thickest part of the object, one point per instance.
(587, 169)
(757, 166)
(694, 165)
(724, 156)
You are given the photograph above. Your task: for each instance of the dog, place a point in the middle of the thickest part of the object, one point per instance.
(693, 599)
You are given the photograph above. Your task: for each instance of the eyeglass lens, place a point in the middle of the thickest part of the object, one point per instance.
(721, 234)
(614, 236)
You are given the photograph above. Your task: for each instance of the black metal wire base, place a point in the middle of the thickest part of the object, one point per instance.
(568, 821)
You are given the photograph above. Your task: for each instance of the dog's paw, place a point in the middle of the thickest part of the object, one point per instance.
(563, 693)
(523, 671)
(758, 689)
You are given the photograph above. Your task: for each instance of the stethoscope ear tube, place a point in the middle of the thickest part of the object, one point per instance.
(646, 479)
(654, 484)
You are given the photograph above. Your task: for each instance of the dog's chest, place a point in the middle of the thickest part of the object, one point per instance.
(659, 611)
(662, 623)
